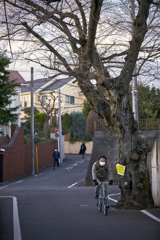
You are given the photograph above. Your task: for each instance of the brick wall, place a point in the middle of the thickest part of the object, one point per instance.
(17, 159)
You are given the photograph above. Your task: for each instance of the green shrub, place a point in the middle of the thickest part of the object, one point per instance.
(37, 139)
(78, 127)
(66, 123)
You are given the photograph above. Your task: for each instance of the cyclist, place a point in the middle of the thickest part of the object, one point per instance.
(100, 170)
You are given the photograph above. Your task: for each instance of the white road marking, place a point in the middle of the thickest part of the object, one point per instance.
(143, 211)
(16, 224)
(150, 215)
(69, 168)
(72, 185)
(75, 183)
(74, 165)
(112, 198)
(82, 161)
(11, 184)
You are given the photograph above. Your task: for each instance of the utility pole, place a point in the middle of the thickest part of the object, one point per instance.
(32, 124)
(60, 126)
(134, 79)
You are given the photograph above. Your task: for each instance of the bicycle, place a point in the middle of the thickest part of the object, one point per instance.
(102, 199)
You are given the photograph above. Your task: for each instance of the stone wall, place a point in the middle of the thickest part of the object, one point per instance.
(155, 171)
(151, 136)
(106, 143)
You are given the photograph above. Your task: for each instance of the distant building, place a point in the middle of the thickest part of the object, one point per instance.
(71, 96)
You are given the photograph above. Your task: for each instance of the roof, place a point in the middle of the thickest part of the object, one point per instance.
(37, 84)
(15, 76)
(58, 83)
(46, 84)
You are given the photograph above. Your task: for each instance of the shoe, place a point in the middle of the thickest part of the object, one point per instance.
(96, 196)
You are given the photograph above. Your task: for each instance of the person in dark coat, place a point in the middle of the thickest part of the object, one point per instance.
(56, 156)
(82, 149)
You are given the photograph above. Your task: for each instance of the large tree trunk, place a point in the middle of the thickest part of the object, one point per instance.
(135, 184)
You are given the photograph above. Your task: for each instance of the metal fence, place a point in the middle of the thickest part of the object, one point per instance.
(144, 124)
(149, 124)
(78, 135)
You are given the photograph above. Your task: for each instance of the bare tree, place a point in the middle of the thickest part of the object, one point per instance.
(49, 107)
(91, 39)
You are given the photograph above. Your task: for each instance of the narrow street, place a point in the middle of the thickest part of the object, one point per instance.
(54, 204)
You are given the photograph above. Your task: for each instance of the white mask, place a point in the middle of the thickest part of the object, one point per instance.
(102, 164)
(56, 150)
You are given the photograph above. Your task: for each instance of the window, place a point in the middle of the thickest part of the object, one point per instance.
(25, 102)
(44, 98)
(70, 99)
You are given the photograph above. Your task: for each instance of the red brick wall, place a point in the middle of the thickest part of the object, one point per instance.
(17, 159)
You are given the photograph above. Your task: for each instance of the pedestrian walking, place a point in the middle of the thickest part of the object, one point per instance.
(82, 149)
(56, 156)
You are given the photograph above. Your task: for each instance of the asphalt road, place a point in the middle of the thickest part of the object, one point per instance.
(55, 205)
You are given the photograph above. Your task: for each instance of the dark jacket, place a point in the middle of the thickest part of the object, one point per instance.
(56, 155)
(100, 173)
(82, 149)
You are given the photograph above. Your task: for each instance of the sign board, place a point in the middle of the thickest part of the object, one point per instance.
(56, 129)
(120, 169)
(56, 135)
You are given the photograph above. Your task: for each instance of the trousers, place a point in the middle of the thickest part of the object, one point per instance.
(56, 162)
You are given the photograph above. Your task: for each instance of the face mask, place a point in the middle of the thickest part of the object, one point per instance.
(56, 150)
(102, 164)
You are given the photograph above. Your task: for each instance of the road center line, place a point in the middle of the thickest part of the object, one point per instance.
(16, 224)
(11, 184)
(72, 185)
(75, 183)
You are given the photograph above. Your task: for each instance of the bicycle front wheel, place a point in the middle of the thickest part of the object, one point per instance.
(105, 209)
(99, 205)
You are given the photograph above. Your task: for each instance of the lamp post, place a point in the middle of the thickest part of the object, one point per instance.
(32, 120)
(60, 125)
(134, 79)
(32, 124)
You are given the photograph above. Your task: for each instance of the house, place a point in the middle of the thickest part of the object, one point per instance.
(13, 75)
(71, 95)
